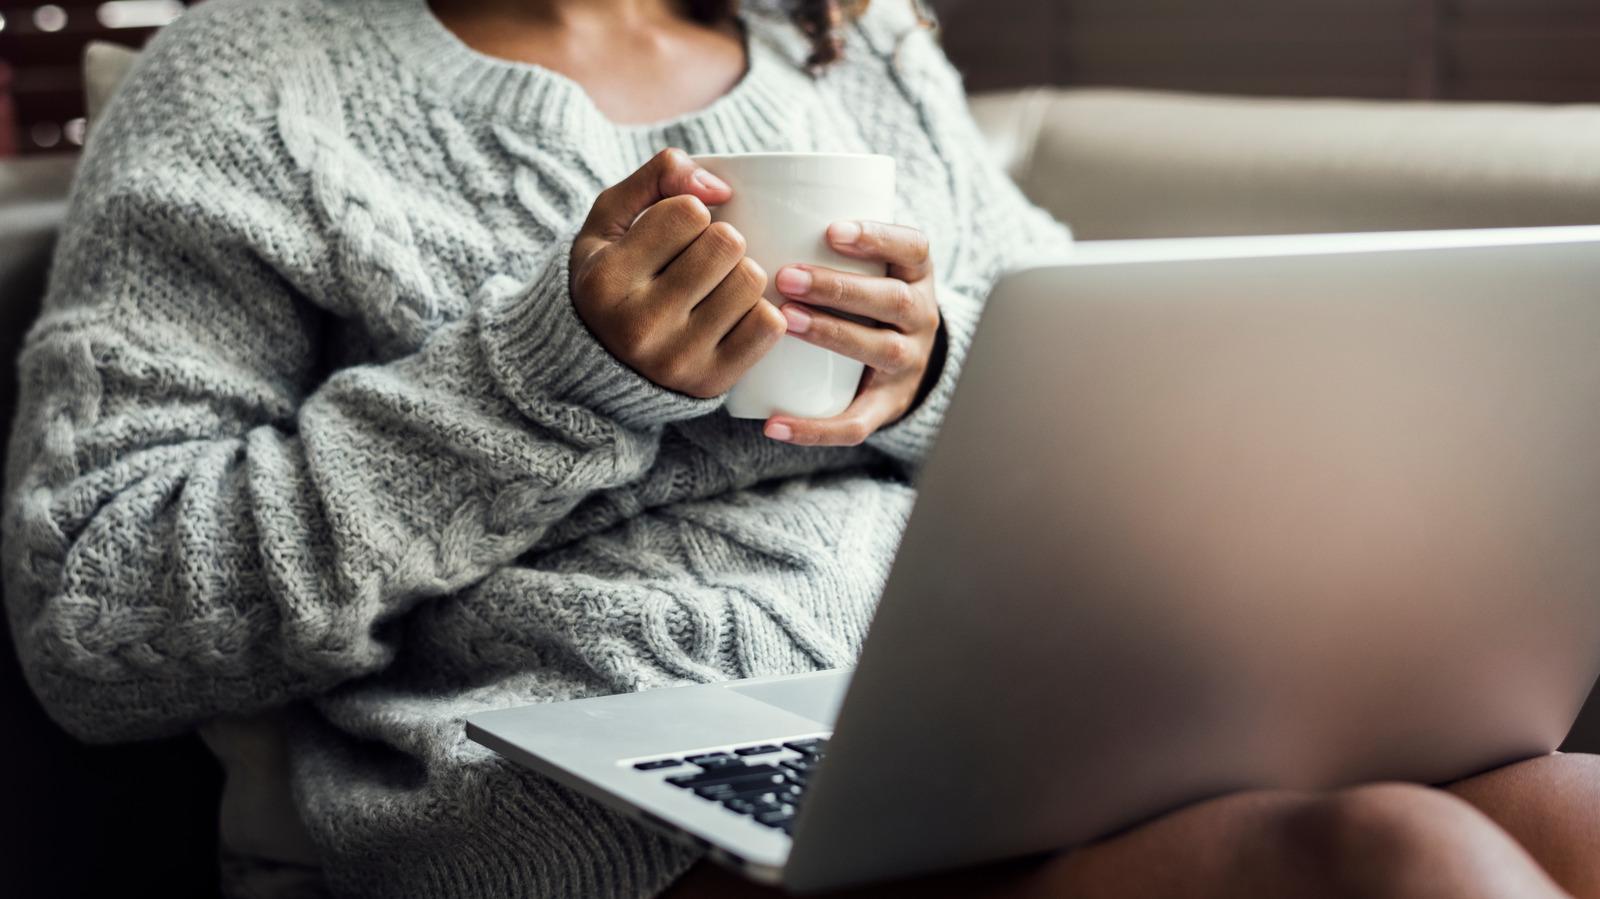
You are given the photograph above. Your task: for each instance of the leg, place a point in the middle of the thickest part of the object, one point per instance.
(1551, 806)
(1379, 841)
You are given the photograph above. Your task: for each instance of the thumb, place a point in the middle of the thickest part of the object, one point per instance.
(669, 173)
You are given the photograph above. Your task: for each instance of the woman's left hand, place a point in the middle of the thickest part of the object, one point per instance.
(898, 350)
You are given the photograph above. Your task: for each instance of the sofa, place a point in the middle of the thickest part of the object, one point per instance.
(1117, 164)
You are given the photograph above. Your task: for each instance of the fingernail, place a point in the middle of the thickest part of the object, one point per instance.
(799, 318)
(794, 282)
(709, 181)
(779, 431)
(846, 233)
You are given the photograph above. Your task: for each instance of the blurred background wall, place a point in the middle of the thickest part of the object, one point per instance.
(41, 50)
(1534, 50)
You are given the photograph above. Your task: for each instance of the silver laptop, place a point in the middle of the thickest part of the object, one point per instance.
(1206, 515)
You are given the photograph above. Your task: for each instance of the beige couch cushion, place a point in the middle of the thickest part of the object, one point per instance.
(1123, 163)
(105, 65)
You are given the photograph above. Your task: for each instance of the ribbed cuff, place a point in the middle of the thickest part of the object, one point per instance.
(541, 353)
(909, 439)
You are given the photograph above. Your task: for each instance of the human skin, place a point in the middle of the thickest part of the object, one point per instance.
(1527, 830)
(663, 288)
(674, 296)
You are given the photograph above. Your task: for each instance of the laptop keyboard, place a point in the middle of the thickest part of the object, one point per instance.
(763, 781)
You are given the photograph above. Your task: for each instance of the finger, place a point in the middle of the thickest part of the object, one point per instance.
(756, 333)
(889, 301)
(872, 408)
(905, 250)
(883, 349)
(703, 265)
(661, 234)
(727, 304)
(669, 173)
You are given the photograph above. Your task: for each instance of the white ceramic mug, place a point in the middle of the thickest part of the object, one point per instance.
(783, 204)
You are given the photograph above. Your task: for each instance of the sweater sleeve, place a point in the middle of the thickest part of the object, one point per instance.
(1007, 230)
(203, 517)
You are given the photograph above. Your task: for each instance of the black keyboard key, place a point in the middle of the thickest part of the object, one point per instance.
(809, 747)
(657, 764)
(707, 759)
(718, 775)
(756, 750)
(776, 818)
(800, 775)
(758, 785)
(722, 765)
(722, 775)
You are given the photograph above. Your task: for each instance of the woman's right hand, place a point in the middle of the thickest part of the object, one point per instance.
(664, 289)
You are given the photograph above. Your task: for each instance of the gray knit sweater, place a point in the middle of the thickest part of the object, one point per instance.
(310, 423)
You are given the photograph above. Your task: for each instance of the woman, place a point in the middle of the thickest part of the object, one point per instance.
(378, 385)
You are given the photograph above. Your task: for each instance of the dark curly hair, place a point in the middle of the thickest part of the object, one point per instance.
(821, 20)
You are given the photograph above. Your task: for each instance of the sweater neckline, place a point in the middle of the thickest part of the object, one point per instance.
(530, 95)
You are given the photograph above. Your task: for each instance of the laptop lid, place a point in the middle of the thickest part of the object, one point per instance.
(1215, 515)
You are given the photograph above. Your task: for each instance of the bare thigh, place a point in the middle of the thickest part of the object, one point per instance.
(1551, 806)
(1379, 841)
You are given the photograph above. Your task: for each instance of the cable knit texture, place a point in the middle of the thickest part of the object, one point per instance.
(310, 423)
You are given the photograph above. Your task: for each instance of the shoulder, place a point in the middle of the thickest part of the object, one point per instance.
(205, 92)
(227, 57)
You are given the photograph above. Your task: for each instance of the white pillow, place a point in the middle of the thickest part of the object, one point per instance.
(105, 65)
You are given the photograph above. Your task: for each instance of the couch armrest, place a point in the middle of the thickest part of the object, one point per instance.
(1126, 163)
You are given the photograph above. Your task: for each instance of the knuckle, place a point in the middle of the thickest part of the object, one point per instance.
(871, 236)
(666, 160)
(904, 302)
(832, 288)
(771, 318)
(770, 325)
(855, 432)
(603, 200)
(919, 247)
(896, 353)
(724, 239)
(825, 330)
(751, 276)
(686, 212)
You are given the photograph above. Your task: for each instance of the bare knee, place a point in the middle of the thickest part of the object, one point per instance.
(1548, 805)
(1401, 840)
(1369, 841)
